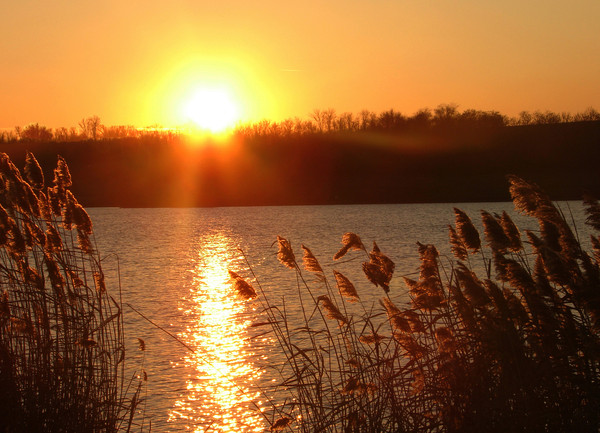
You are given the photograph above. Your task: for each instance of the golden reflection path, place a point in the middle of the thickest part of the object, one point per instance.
(219, 397)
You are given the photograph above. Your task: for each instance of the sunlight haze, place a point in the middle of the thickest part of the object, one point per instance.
(137, 63)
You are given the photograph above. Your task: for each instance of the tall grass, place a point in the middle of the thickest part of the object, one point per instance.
(501, 337)
(61, 332)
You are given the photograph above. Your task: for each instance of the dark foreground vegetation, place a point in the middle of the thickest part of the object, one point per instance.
(502, 337)
(433, 156)
(62, 350)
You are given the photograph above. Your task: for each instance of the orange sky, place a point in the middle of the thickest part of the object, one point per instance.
(135, 62)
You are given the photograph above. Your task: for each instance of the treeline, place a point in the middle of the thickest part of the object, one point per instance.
(89, 128)
(443, 162)
(443, 117)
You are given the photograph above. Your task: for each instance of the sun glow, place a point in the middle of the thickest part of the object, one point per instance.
(212, 110)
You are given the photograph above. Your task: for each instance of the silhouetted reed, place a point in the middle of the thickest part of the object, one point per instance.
(61, 333)
(503, 337)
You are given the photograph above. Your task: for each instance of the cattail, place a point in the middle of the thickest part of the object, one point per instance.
(285, 254)
(467, 231)
(331, 310)
(350, 241)
(281, 424)
(33, 172)
(346, 287)
(397, 320)
(310, 262)
(494, 233)
(243, 288)
(512, 232)
(456, 245)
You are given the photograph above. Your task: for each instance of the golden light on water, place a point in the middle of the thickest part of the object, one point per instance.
(218, 395)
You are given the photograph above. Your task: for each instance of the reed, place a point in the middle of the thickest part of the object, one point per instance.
(61, 333)
(503, 337)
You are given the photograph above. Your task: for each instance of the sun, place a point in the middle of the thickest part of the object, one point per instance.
(212, 110)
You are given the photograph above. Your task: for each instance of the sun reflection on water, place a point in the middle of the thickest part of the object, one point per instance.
(218, 395)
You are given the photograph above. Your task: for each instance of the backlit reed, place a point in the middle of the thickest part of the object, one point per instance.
(502, 336)
(61, 333)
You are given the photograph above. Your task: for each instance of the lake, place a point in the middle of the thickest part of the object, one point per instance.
(172, 266)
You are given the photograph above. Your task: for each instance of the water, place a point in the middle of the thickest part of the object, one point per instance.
(173, 267)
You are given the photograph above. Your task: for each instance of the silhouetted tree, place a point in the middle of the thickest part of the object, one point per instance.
(367, 119)
(90, 127)
(36, 132)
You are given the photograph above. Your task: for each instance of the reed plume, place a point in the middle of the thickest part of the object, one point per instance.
(457, 246)
(310, 262)
(494, 233)
(331, 310)
(285, 254)
(61, 340)
(33, 172)
(345, 286)
(471, 351)
(350, 242)
(379, 269)
(466, 231)
(243, 288)
(512, 232)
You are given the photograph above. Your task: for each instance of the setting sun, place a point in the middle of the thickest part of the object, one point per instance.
(212, 110)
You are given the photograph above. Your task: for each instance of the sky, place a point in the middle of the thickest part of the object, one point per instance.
(134, 62)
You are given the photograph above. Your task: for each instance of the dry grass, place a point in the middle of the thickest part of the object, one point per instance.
(505, 337)
(61, 333)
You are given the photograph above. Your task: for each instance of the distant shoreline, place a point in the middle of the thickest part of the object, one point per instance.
(328, 169)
